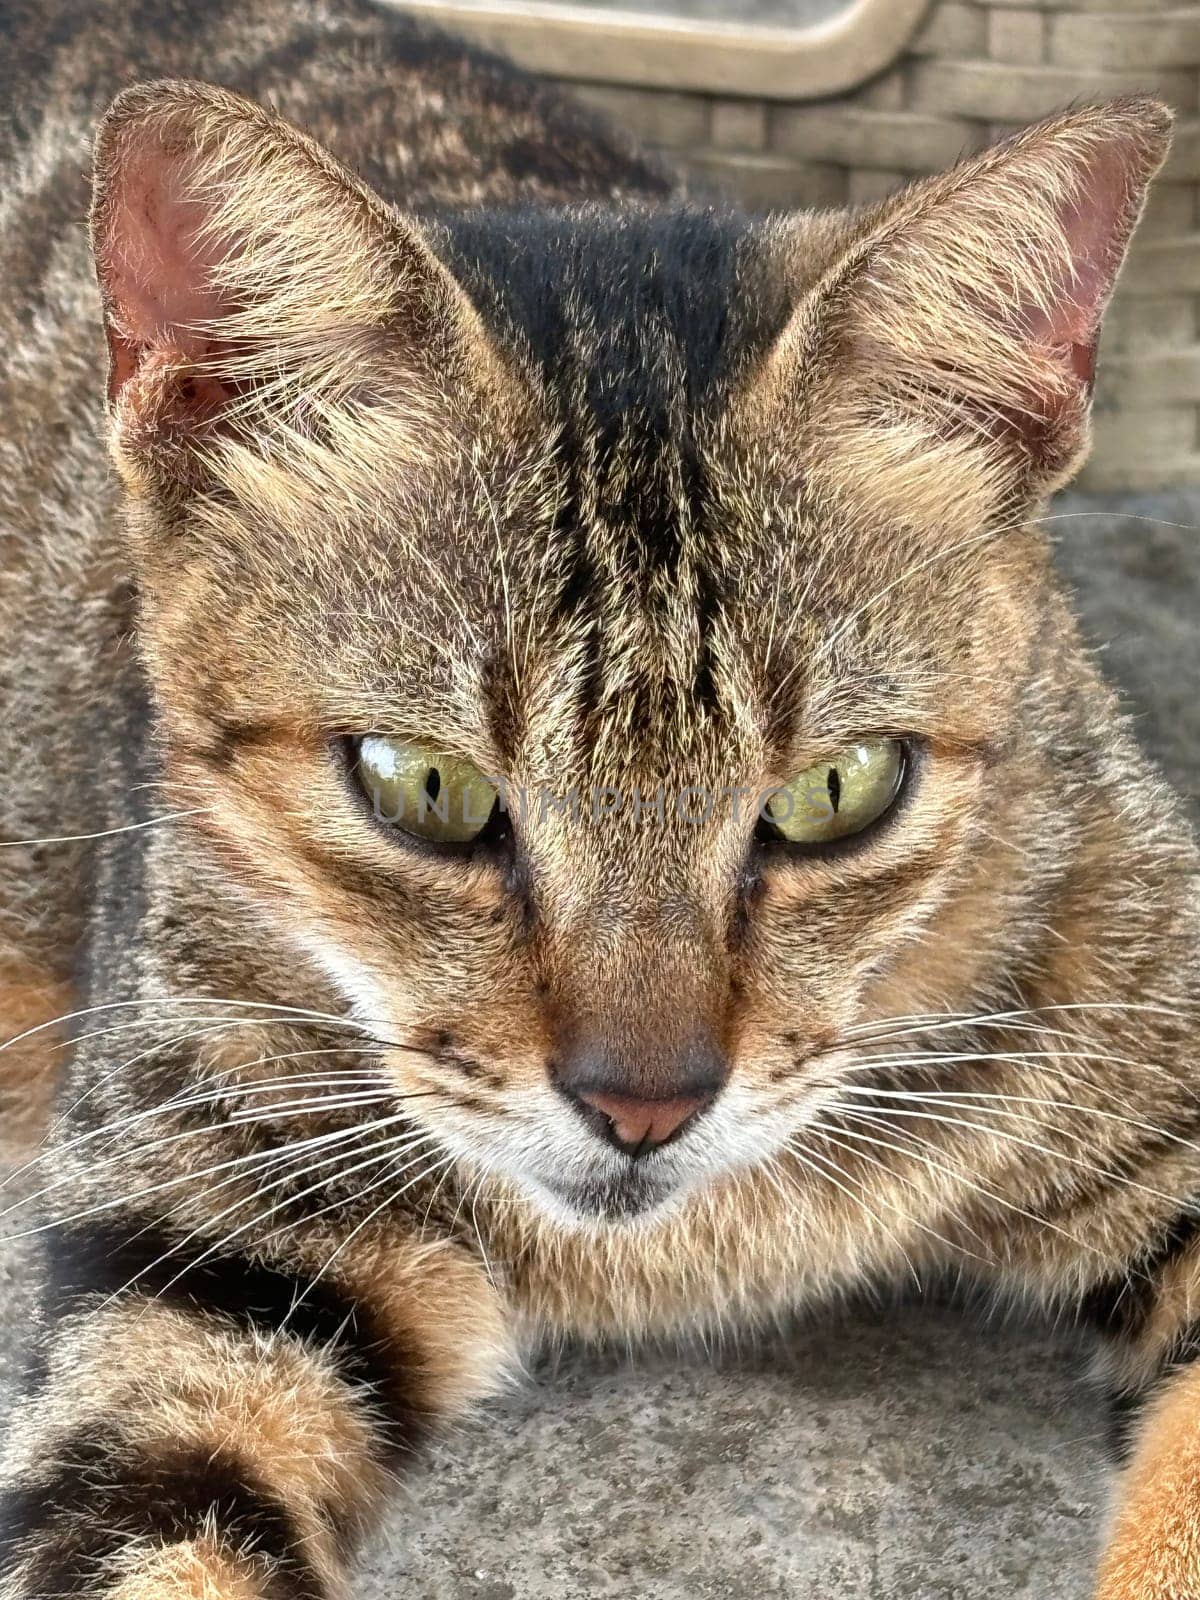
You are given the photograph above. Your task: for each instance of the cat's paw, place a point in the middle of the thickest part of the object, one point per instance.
(1151, 1570)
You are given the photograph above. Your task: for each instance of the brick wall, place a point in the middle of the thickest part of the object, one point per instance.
(975, 70)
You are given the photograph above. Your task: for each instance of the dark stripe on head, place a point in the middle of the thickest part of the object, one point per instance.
(708, 598)
(634, 312)
(257, 1297)
(1120, 1305)
(98, 1496)
(638, 323)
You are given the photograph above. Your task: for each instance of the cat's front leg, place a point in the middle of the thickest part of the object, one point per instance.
(1154, 1548)
(225, 1428)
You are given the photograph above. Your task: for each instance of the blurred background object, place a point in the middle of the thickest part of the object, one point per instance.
(786, 103)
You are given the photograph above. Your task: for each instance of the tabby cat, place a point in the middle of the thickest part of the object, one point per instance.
(552, 790)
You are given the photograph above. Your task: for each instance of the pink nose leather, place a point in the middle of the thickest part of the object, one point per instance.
(640, 1122)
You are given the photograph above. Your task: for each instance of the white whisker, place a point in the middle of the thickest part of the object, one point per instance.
(378, 1154)
(389, 1200)
(885, 1113)
(248, 1160)
(209, 1093)
(865, 1155)
(961, 1177)
(829, 1170)
(964, 1099)
(104, 833)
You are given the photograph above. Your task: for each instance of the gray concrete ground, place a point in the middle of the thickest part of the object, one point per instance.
(889, 1454)
(897, 1455)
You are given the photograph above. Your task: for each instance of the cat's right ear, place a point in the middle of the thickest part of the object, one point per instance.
(243, 271)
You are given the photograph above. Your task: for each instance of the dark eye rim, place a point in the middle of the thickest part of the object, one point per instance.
(493, 839)
(772, 844)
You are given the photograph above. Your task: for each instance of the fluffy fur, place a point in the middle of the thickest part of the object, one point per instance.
(490, 439)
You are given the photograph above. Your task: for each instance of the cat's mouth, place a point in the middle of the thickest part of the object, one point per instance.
(579, 1181)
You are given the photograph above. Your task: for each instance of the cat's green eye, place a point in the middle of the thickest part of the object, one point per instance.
(441, 798)
(837, 798)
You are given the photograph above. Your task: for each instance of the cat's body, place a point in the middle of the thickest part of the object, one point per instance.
(666, 497)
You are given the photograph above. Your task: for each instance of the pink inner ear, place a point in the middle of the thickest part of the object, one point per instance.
(1096, 224)
(157, 267)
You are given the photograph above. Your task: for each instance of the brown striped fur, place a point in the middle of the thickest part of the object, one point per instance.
(450, 418)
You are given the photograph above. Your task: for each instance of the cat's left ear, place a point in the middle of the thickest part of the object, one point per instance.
(965, 312)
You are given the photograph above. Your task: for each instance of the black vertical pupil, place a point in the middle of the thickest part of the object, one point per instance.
(433, 783)
(834, 785)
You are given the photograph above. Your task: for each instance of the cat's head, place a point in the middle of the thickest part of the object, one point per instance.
(495, 571)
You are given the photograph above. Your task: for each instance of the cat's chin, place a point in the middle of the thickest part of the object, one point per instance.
(603, 1203)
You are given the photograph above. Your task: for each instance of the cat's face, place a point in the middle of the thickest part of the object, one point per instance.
(611, 628)
(589, 914)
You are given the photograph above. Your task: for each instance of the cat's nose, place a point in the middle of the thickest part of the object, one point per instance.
(638, 1099)
(638, 1126)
